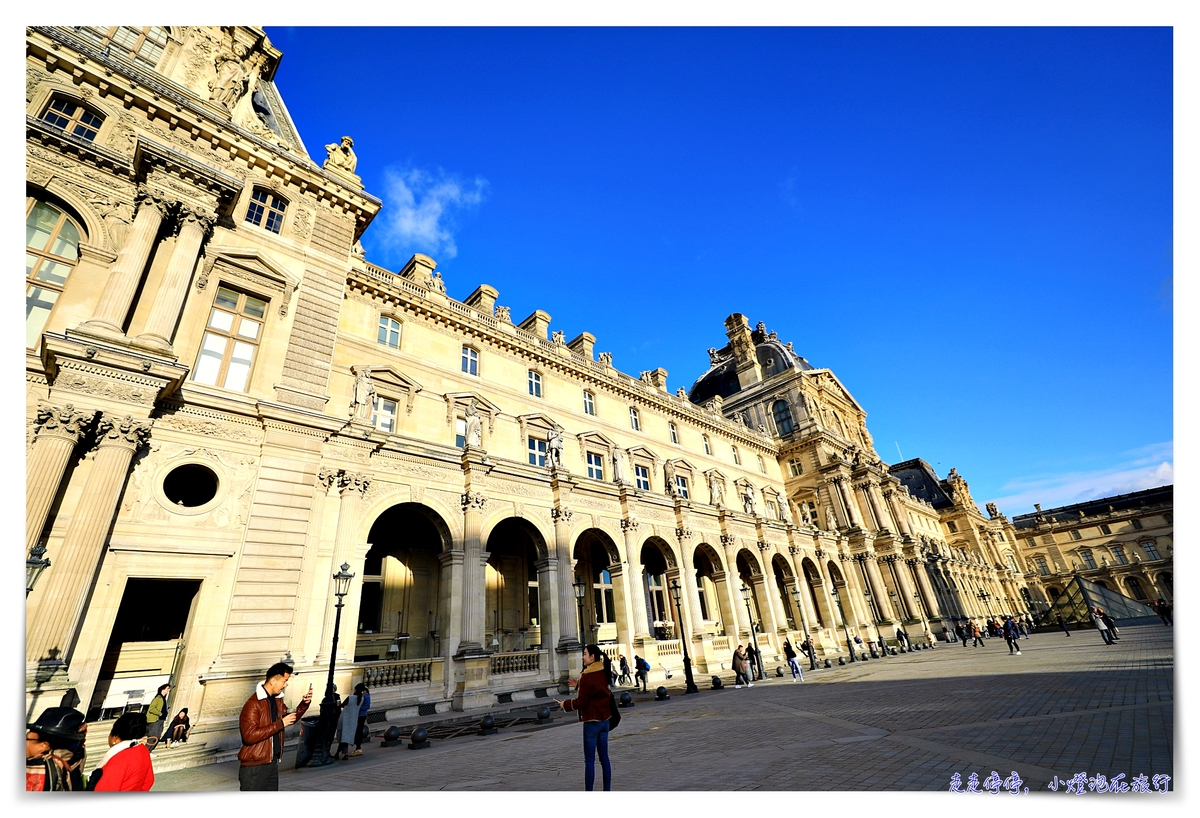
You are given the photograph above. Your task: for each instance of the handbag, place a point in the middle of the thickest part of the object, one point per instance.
(614, 713)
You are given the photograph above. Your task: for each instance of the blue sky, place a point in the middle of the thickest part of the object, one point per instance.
(971, 227)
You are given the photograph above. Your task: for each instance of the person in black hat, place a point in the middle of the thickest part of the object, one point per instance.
(54, 751)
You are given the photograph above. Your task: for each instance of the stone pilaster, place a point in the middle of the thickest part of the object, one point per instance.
(122, 283)
(691, 593)
(883, 602)
(932, 609)
(473, 589)
(194, 226)
(351, 488)
(637, 591)
(56, 434)
(54, 624)
(568, 636)
(889, 497)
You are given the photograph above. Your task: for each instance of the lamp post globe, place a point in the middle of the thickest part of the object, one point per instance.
(677, 593)
(34, 566)
(580, 589)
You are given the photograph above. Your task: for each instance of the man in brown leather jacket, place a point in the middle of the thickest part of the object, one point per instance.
(263, 720)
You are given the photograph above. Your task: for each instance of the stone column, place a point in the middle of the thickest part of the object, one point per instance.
(735, 585)
(473, 588)
(882, 601)
(623, 599)
(860, 493)
(691, 597)
(848, 502)
(194, 225)
(766, 610)
(351, 488)
(889, 497)
(725, 602)
(879, 507)
(56, 433)
(905, 588)
(637, 590)
(807, 620)
(65, 586)
(568, 637)
(932, 608)
(854, 603)
(122, 283)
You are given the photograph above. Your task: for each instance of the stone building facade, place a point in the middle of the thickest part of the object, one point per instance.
(226, 402)
(1125, 543)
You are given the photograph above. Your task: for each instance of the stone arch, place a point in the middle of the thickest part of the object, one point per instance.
(712, 586)
(403, 593)
(536, 532)
(1135, 589)
(657, 560)
(1167, 580)
(594, 556)
(433, 512)
(514, 546)
(814, 581)
(782, 577)
(751, 575)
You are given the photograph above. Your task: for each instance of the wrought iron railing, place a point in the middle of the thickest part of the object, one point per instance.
(526, 661)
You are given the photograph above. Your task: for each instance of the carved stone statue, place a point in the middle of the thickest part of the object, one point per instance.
(749, 501)
(669, 473)
(473, 434)
(554, 448)
(618, 457)
(785, 513)
(559, 337)
(504, 314)
(715, 491)
(362, 403)
(437, 284)
(804, 518)
(340, 156)
(230, 82)
(992, 511)
(713, 357)
(831, 523)
(605, 358)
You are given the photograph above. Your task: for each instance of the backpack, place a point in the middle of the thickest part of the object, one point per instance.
(643, 665)
(614, 713)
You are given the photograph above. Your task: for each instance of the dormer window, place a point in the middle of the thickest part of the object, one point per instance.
(73, 118)
(783, 417)
(266, 210)
(143, 44)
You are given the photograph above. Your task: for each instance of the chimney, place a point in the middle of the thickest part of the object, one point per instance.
(483, 299)
(737, 328)
(583, 343)
(538, 323)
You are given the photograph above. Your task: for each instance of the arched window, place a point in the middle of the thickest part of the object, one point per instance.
(73, 118)
(783, 417)
(1135, 588)
(470, 360)
(1053, 593)
(266, 210)
(143, 44)
(707, 445)
(51, 250)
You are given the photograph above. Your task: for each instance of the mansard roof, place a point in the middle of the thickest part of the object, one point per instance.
(922, 482)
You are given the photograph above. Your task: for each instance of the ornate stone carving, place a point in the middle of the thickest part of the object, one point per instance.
(554, 447)
(605, 358)
(232, 77)
(559, 338)
(473, 435)
(473, 500)
(340, 156)
(353, 482)
(326, 478)
(504, 314)
(62, 421)
(124, 431)
(563, 514)
(629, 525)
(302, 224)
(74, 381)
(683, 533)
(728, 540)
(212, 428)
(994, 512)
(362, 401)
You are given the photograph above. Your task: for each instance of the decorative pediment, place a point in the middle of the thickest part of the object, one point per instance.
(681, 463)
(535, 420)
(461, 400)
(643, 452)
(717, 473)
(251, 267)
(392, 383)
(833, 387)
(596, 440)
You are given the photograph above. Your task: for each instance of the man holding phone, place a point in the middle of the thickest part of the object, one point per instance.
(264, 718)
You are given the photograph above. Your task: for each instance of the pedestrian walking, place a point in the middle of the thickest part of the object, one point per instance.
(126, 767)
(977, 634)
(790, 653)
(929, 638)
(642, 673)
(960, 632)
(180, 728)
(625, 678)
(739, 669)
(361, 733)
(156, 714)
(1160, 607)
(1102, 627)
(54, 751)
(1011, 635)
(1112, 626)
(593, 703)
(806, 647)
(1062, 623)
(347, 726)
(945, 635)
(263, 719)
(1021, 629)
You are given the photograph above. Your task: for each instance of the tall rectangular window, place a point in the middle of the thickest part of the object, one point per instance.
(460, 432)
(707, 446)
(674, 433)
(589, 403)
(1137, 524)
(635, 422)
(642, 476)
(1151, 551)
(537, 452)
(230, 340)
(794, 467)
(535, 384)
(1104, 529)
(266, 210)
(1086, 555)
(470, 361)
(606, 609)
(1075, 535)
(681, 486)
(389, 332)
(595, 466)
(772, 510)
(383, 415)
(1043, 569)
(1119, 555)
(762, 466)
(737, 458)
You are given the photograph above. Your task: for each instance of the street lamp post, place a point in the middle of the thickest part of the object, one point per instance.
(753, 633)
(327, 723)
(984, 596)
(34, 566)
(677, 593)
(896, 607)
(580, 588)
(875, 622)
(842, 612)
(920, 607)
(812, 653)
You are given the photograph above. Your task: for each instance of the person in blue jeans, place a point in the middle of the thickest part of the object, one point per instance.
(360, 734)
(593, 704)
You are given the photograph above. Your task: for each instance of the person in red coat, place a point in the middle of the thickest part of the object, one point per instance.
(126, 767)
(593, 703)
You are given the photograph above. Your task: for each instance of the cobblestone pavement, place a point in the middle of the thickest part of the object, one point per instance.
(1065, 706)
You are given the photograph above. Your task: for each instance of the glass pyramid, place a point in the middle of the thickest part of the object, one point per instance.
(1081, 595)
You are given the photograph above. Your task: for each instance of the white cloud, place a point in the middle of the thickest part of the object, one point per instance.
(420, 209)
(1144, 468)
